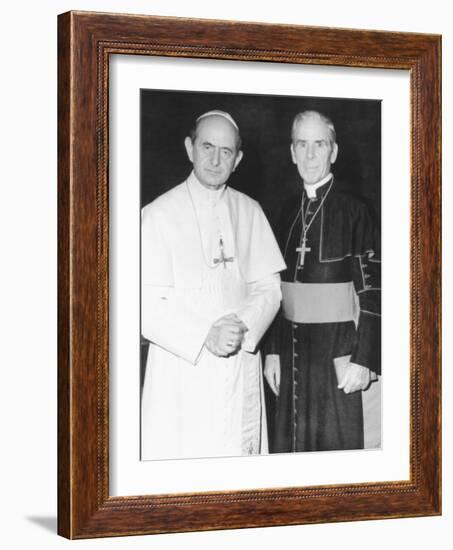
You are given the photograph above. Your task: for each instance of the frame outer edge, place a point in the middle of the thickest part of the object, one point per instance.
(64, 339)
(89, 300)
(427, 244)
(426, 275)
(438, 262)
(433, 119)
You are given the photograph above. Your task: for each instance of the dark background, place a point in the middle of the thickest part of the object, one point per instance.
(266, 171)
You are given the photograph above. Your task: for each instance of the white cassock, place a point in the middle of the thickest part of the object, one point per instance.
(195, 404)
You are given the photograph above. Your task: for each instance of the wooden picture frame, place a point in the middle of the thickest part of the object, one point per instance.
(85, 41)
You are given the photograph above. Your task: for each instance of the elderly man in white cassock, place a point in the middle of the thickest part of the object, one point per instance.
(210, 289)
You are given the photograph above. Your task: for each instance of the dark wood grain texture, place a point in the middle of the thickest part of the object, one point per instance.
(85, 42)
(64, 391)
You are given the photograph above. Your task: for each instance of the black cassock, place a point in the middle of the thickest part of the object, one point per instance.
(344, 257)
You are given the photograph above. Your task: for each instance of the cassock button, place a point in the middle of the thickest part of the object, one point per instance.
(367, 287)
(295, 354)
(294, 340)
(294, 325)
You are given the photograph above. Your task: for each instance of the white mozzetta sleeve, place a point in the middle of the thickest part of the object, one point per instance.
(259, 310)
(171, 324)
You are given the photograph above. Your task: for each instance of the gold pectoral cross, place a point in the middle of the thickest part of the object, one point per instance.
(222, 259)
(303, 250)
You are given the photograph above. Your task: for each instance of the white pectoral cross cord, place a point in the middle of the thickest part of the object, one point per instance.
(303, 249)
(222, 258)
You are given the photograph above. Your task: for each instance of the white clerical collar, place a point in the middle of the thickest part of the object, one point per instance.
(201, 192)
(311, 189)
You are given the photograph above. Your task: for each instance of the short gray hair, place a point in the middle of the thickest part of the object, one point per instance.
(304, 115)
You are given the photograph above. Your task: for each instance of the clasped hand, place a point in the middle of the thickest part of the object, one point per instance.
(226, 335)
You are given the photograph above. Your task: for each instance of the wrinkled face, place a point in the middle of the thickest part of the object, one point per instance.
(214, 153)
(312, 151)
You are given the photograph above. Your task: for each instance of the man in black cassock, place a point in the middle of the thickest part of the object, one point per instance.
(325, 346)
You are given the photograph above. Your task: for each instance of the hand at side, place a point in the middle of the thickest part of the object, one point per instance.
(272, 372)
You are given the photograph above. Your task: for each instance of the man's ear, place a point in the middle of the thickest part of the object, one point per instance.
(334, 153)
(189, 148)
(237, 160)
(293, 153)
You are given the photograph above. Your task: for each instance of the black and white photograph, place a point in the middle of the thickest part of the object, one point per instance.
(199, 203)
(260, 274)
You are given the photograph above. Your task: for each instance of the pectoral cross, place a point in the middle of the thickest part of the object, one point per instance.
(303, 250)
(222, 259)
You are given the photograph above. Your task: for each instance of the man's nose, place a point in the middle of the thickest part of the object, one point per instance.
(215, 159)
(311, 150)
